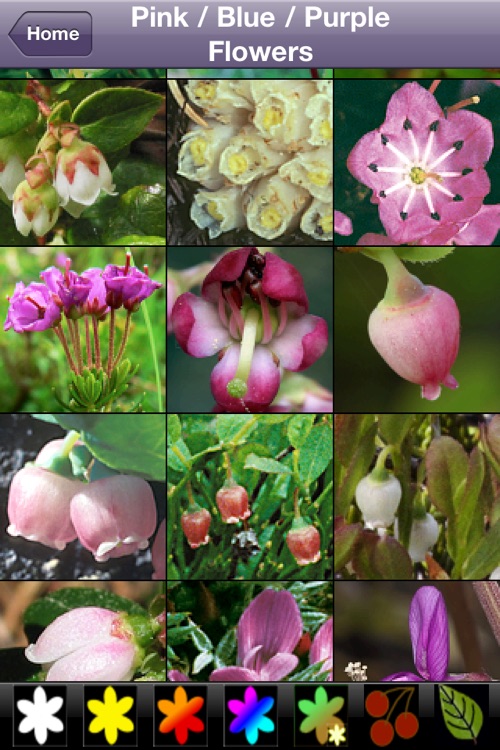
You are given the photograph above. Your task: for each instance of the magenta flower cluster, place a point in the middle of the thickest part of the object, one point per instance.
(426, 168)
(37, 307)
(253, 313)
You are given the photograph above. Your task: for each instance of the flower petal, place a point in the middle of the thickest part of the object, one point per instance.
(110, 661)
(262, 384)
(234, 674)
(272, 620)
(229, 268)
(278, 667)
(429, 634)
(402, 677)
(197, 326)
(282, 281)
(302, 342)
(342, 223)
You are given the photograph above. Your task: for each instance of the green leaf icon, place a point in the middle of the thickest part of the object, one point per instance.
(462, 715)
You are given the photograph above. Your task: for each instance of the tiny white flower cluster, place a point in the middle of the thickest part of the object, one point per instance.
(356, 672)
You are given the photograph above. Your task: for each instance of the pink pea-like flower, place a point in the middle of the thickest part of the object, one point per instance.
(420, 339)
(322, 648)
(114, 516)
(84, 644)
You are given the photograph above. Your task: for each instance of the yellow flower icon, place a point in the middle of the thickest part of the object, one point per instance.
(110, 715)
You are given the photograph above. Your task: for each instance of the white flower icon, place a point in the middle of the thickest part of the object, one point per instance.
(39, 715)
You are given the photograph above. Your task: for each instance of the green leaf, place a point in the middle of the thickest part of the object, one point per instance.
(266, 465)
(174, 428)
(229, 425)
(74, 90)
(202, 661)
(17, 113)
(377, 558)
(140, 211)
(394, 427)
(299, 428)
(462, 715)
(43, 611)
(345, 538)
(484, 558)
(316, 454)
(129, 443)
(113, 118)
(349, 429)
(423, 255)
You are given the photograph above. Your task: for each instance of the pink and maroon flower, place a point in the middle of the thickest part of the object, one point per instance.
(426, 169)
(253, 311)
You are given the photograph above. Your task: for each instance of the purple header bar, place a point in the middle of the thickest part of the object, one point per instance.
(387, 33)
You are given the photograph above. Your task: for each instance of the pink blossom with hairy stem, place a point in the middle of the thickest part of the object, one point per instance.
(86, 644)
(426, 168)
(268, 632)
(322, 648)
(253, 312)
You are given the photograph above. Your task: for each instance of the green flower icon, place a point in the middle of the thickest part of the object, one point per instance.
(321, 715)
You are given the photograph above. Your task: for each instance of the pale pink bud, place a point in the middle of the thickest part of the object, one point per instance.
(86, 643)
(419, 339)
(39, 507)
(114, 516)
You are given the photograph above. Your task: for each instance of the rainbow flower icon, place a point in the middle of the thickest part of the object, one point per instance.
(250, 715)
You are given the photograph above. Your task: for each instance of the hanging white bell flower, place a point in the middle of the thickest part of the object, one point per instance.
(378, 496)
(35, 209)
(423, 536)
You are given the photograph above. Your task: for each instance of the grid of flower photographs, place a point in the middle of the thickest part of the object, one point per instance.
(250, 376)
(82, 377)
(416, 561)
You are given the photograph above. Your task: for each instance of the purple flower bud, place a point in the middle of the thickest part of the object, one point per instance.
(32, 308)
(39, 507)
(96, 301)
(114, 516)
(69, 289)
(87, 643)
(127, 286)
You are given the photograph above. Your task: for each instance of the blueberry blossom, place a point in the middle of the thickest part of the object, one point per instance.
(425, 167)
(81, 172)
(430, 640)
(253, 312)
(35, 209)
(86, 644)
(32, 308)
(268, 632)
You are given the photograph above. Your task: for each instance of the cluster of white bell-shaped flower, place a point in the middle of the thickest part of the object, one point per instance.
(64, 172)
(264, 158)
(378, 496)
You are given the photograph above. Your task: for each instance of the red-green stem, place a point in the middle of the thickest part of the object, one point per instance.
(296, 502)
(97, 344)
(124, 340)
(190, 494)
(62, 338)
(77, 345)
(111, 341)
(88, 344)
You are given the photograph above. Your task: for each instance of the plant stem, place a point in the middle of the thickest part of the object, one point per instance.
(97, 344)
(123, 341)
(488, 593)
(77, 346)
(88, 345)
(111, 346)
(296, 502)
(58, 330)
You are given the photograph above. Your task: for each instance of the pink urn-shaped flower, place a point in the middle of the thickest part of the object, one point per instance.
(39, 507)
(114, 516)
(232, 501)
(304, 541)
(87, 643)
(416, 330)
(195, 523)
